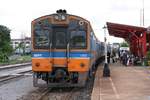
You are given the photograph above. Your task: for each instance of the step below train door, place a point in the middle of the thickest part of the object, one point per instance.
(59, 41)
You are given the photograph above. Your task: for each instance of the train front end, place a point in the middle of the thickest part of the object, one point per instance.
(60, 50)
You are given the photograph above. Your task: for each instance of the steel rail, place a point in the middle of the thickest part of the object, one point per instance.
(14, 66)
(9, 77)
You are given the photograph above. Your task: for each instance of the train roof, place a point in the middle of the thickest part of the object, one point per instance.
(77, 17)
(50, 15)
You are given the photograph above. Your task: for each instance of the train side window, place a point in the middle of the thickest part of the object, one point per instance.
(41, 39)
(78, 39)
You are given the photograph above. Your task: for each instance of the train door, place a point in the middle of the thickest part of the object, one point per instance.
(59, 45)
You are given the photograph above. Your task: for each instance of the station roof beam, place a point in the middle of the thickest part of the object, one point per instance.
(135, 36)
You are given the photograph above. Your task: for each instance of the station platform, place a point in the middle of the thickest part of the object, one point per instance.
(125, 83)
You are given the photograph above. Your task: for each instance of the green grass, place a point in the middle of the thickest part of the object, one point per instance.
(20, 59)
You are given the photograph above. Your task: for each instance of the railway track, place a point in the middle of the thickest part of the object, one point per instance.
(45, 92)
(11, 72)
(14, 66)
(70, 94)
(65, 93)
(10, 77)
(58, 94)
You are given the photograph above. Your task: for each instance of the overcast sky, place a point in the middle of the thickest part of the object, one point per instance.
(18, 14)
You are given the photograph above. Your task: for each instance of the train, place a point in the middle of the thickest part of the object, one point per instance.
(64, 50)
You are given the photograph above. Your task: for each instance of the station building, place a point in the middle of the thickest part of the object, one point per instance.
(26, 42)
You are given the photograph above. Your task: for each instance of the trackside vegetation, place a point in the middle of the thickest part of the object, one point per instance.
(5, 47)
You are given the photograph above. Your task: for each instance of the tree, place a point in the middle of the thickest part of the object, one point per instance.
(21, 47)
(124, 44)
(5, 47)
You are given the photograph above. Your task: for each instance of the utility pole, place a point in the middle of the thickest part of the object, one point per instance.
(106, 70)
(143, 12)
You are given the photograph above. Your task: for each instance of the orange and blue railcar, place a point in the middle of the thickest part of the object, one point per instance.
(64, 49)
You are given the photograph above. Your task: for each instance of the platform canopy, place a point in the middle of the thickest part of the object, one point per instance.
(135, 36)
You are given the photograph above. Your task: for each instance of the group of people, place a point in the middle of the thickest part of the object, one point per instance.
(112, 56)
(126, 58)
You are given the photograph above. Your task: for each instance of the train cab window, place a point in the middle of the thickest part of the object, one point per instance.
(78, 39)
(41, 39)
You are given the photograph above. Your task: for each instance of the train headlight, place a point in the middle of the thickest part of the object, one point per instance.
(56, 17)
(63, 17)
(60, 17)
(37, 64)
(82, 64)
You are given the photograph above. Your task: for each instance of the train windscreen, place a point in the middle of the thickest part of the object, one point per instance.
(78, 39)
(59, 37)
(41, 39)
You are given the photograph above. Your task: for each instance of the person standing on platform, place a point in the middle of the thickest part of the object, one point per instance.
(113, 56)
(108, 57)
(121, 56)
(125, 58)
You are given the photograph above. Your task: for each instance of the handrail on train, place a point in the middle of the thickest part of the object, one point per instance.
(68, 50)
(50, 50)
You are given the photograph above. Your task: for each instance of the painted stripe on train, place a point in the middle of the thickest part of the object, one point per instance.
(60, 58)
(60, 54)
